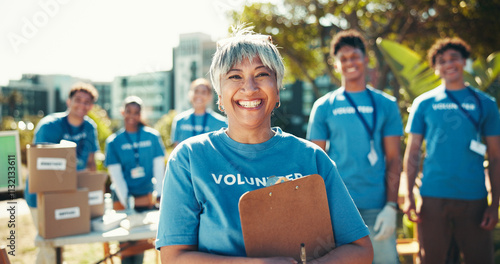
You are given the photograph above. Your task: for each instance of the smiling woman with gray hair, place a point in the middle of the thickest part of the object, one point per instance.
(207, 174)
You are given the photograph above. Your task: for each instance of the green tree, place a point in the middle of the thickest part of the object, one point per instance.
(303, 29)
(164, 126)
(415, 75)
(104, 130)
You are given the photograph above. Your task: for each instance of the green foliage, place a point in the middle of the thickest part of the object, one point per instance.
(416, 76)
(485, 71)
(104, 130)
(303, 30)
(104, 124)
(411, 71)
(164, 126)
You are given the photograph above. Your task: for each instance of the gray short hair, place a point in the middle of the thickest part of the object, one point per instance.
(245, 44)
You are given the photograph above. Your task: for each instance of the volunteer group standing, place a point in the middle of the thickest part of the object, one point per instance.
(353, 141)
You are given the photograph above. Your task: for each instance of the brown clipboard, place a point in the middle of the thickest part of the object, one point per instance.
(276, 220)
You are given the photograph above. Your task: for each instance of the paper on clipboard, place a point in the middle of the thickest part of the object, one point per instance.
(276, 220)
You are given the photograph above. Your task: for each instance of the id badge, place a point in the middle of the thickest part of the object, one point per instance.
(137, 172)
(477, 147)
(372, 156)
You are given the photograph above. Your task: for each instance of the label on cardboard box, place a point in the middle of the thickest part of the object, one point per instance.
(51, 164)
(96, 197)
(67, 213)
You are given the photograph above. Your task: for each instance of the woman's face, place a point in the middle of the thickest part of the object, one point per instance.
(132, 115)
(249, 93)
(200, 96)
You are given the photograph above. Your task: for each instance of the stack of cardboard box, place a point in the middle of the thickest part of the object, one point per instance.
(66, 199)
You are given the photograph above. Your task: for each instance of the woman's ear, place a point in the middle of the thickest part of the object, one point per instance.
(219, 103)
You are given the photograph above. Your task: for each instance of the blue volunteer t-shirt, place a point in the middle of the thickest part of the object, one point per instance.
(121, 148)
(207, 174)
(187, 124)
(54, 128)
(334, 119)
(451, 169)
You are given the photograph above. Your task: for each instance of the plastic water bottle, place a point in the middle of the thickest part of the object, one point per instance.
(131, 204)
(108, 203)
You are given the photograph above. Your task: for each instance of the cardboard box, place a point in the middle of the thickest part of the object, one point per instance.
(63, 213)
(52, 167)
(95, 183)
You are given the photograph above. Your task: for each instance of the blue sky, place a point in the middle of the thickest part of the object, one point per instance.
(101, 39)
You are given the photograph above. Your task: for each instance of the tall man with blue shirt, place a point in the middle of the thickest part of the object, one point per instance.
(453, 119)
(73, 125)
(363, 128)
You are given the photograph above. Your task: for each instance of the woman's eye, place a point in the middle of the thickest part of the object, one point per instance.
(262, 74)
(234, 77)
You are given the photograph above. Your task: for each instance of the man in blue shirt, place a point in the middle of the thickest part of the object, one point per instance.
(363, 128)
(73, 125)
(453, 119)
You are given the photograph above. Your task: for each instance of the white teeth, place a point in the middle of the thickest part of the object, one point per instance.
(351, 69)
(250, 104)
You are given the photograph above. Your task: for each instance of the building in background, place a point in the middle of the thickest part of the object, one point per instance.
(104, 100)
(161, 91)
(192, 59)
(38, 94)
(154, 88)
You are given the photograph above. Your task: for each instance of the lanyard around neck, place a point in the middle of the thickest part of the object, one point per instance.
(135, 148)
(203, 124)
(467, 114)
(370, 131)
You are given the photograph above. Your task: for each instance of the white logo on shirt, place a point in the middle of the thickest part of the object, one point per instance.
(349, 110)
(76, 137)
(142, 144)
(232, 179)
(188, 127)
(452, 106)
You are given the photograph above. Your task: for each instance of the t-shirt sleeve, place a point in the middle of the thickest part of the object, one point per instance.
(491, 123)
(159, 148)
(94, 139)
(47, 133)
(173, 131)
(111, 151)
(416, 124)
(179, 208)
(317, 128)
(393, 125)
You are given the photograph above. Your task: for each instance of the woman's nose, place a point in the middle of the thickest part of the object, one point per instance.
(249, 86)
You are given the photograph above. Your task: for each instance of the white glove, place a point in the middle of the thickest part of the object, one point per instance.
(159, 173)
(121, 189)
(385, 222)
